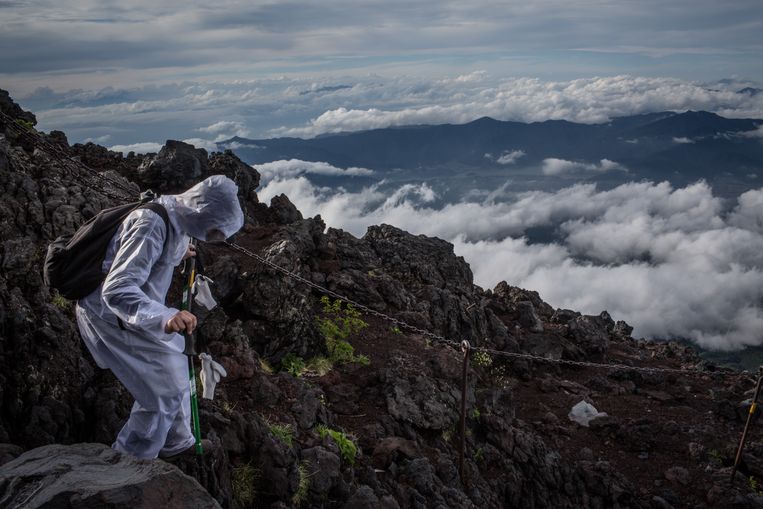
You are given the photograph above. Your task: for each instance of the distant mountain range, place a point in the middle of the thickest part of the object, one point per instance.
(680, 147)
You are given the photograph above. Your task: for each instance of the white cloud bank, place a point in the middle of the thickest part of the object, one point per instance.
(669, 261)
(554, 166)
(295, 167)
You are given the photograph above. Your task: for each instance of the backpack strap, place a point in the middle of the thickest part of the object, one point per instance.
(162, 211)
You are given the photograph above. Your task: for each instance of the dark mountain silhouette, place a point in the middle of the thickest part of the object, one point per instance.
(680, 147)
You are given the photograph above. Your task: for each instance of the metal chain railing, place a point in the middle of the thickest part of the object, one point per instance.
(459, 344)
(587, 364)
(69, 163)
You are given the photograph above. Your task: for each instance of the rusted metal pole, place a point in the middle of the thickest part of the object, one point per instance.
(750, 414)
(465, 347)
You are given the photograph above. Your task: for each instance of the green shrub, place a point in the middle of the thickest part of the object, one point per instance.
(243, 480)
(293, 364)
(346, 446)
(336, 326)
(283, 432)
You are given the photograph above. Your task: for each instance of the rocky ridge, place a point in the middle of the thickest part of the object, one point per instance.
(667, 440)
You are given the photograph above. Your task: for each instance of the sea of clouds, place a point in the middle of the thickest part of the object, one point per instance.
(674, 263)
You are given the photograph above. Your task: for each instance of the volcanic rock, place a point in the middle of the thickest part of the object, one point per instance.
(90, 475)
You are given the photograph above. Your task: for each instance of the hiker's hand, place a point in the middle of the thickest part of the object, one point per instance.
(182, 321)
(191, 251)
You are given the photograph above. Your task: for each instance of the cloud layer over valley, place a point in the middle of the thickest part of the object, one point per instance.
(671, 262)
(305, 107)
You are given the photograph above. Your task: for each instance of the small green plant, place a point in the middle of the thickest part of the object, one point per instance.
(482, 359)
(754, 485)
(479, 455)
(293, 364)
(476, 413)
(243, 479)
(61, 302)
(346, 446)
(336, 326)
(283, 432)
(395, 330)
(303, 487)
(716, 455)
(26, 124)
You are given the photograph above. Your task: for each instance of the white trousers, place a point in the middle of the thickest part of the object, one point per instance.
(156, 374)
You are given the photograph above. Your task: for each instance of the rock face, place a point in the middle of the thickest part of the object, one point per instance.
(395, 440)
(175, 168)
(93, 475)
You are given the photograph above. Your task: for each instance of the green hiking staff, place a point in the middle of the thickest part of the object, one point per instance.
(190, 351)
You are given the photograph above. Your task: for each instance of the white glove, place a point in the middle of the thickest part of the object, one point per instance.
(211, 372)
(202, 294)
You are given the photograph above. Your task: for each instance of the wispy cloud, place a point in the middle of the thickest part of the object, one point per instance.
(507, 157)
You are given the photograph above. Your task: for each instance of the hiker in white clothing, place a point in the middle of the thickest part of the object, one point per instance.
(129, 329)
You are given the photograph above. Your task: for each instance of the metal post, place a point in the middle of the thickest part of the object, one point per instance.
(465, 347)
(753, 407)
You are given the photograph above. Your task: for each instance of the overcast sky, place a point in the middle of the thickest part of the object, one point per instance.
(135, 58)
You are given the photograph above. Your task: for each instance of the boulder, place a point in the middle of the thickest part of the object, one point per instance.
(591, 333)
(324, 466)
(94, 475)
(527, 317)
(174, 169)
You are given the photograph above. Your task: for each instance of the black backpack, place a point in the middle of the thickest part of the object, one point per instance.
(73, 265)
